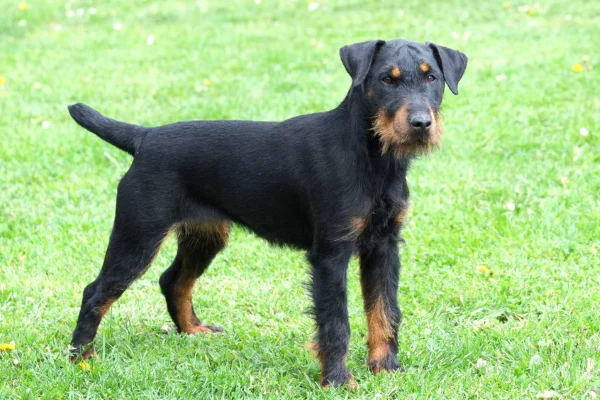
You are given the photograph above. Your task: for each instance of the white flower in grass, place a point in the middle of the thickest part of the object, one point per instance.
(150, 40)
(22, 23)
(584, 132)
(481, 363)
(313, 6)
(70, 13)
(510, 206)
(45, 124)
(80, 11)
(117, 26)
(500, 78)
(92, 11)
(535, 360)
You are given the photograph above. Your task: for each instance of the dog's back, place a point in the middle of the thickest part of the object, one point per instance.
(251, 172)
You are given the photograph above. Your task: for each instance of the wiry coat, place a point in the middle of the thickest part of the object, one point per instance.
(332, 183)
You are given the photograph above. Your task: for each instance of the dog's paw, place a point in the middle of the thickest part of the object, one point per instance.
(341, 377)
(387, 363)
(215, 329)
(201, 328)
(78, 355)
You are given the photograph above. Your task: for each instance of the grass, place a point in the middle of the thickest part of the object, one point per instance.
(514, 189)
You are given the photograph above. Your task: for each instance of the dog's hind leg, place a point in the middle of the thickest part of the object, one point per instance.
(198, 244)
(137, 234)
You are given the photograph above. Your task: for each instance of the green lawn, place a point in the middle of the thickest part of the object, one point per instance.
(515, 189)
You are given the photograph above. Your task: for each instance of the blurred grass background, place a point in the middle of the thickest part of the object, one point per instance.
(500, 286)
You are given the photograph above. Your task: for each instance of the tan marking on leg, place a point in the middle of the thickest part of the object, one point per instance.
(354, 228)
(223, 232)
(395, 72)
(182, 299)
(106, 306)
(399, 217)
(425, 67)
(183, 287)
(380, 334)
(89, 353)
(314, 348)
(218, 232)
(401, 214)
(357, 226)
(321, 358)
(369, 93)
(376, 355)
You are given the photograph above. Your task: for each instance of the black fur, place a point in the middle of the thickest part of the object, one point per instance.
(318, 182)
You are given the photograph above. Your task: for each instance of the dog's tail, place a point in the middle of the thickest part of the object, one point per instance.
(126, 137)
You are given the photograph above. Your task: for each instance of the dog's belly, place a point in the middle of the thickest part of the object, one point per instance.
(287, 230)
(280, 224)
(277, 214)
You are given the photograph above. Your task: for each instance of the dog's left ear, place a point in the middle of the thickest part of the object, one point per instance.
(358, 58)
(452, 62)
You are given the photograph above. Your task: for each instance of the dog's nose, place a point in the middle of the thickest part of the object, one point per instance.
(420, 122)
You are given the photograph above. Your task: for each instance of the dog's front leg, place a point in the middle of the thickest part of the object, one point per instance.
(329, 267)
(379, 275)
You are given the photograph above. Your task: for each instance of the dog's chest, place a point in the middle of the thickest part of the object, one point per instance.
(387, 212)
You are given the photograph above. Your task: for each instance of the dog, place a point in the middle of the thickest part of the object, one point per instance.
(331, 183)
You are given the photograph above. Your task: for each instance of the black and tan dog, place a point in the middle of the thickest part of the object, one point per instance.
(332, 183)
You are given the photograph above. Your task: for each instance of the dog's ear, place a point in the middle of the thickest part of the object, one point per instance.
(452, 62)
(358, 57)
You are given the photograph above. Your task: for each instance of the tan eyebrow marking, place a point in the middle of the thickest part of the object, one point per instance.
(425, 67)
(396, 72)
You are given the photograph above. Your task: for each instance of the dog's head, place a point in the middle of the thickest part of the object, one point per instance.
(402, 85)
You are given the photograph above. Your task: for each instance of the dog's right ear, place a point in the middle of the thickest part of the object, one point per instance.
(358, 58)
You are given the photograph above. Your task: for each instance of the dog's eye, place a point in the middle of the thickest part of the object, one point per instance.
(430, 78)
(387, 80)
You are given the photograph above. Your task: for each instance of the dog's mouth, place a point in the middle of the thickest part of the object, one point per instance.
(397, 135)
